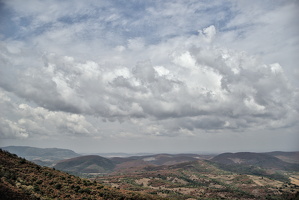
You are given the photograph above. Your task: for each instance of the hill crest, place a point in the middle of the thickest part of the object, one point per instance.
(86, 164)
(22, 179)
(263, 160)
(43, 154)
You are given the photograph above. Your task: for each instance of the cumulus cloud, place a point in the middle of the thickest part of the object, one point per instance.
(23, 121)
(75, 67)
(207, 87)
(39, 120)
(10, 129)
(209, 33)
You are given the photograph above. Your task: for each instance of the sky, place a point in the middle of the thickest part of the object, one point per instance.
(134, 76)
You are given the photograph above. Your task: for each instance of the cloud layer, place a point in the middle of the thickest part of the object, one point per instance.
(204, 87)
(146, 69)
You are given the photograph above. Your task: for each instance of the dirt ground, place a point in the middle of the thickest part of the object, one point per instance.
(295, 180)
(262, 181)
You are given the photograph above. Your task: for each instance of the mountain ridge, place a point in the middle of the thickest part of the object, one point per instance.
(86, 164)
(22, 179)
(264, 160)
(41, 154)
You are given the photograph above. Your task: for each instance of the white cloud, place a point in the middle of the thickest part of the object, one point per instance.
(136, 44)
(145, 65)
(208, 33)
(264, 29)
(23, 121)
(10, 129)
(201, 84)
(39, 121)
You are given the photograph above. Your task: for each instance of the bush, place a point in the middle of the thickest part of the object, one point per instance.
(75, 188)
(86, 190)
(58, 186)
(36, 188)
(22, 161)
(100, 187)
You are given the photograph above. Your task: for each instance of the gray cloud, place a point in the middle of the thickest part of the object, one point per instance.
(23, 121)
(145, 70)
(213, 88)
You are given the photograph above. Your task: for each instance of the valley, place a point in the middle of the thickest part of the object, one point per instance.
(199, 179)
(243, 175)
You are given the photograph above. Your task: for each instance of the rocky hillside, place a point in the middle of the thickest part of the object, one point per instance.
(22, 179)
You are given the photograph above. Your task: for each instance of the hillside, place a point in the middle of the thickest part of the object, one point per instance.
(198, 180)
(169, 159)
(290, 157)
(158, 159)
(22, 179)
(255, 159)
(138, 179)
(86, 164)
(42, 156)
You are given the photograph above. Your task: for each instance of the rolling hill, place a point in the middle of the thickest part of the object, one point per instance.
(160, 159)
(169, 159)
(226, 176)
(290, 157)
(262, 160)
(22, 179)
(199, 179)
(86, 164)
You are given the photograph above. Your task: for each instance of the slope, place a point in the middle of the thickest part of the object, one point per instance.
(43, 156)
(86, 164)
(199, 180)
(21, 179)
(290, 157)
(255, 159)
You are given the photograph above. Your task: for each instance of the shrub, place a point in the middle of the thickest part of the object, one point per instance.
(100, 187)
(36, 188)
(22, 161)
(58, 186)
(76, 188)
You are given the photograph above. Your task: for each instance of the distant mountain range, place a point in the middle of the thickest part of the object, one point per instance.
(68, 160)
(263, 160)
(98, 164)
(243, 162)
(41, 156)
(243, 175)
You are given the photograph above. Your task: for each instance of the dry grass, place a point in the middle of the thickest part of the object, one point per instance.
(295, 180)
